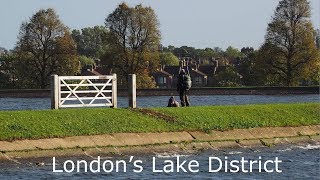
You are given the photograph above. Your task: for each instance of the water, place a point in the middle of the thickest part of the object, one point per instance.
(298, 162)
(161, 101)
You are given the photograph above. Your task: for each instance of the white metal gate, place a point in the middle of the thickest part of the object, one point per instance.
(84, 91)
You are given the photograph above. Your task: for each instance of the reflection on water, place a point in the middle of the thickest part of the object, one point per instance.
(161, 101)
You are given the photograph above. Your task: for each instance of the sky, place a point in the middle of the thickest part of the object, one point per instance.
(196, 23)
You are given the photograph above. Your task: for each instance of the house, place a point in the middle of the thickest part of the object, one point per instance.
(163, 78)
(201, 75)
(3, 51)
(167, 76)
(93, 70)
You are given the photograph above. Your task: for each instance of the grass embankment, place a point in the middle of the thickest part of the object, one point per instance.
(73, 122)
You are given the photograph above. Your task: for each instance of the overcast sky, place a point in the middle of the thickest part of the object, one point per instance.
(197, 23)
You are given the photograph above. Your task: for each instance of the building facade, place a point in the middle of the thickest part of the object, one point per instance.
(201, 75)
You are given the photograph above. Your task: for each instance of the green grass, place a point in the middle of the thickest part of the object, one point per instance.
(88, 121)
(245, 116)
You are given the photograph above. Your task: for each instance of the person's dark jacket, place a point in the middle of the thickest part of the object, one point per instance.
(180, 84)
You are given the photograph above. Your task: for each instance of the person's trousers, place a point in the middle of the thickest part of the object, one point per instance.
(184, 98)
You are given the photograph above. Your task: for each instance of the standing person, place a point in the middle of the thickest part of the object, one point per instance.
(183, 86)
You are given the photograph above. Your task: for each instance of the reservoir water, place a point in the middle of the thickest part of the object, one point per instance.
(161, 101)
(298, 162)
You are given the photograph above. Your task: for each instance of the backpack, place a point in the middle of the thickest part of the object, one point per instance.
(172, 102)
(187, 82)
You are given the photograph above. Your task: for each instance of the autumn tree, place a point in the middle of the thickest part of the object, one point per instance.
(318, 38)
(289, 52)
(45, 47)
(134, 42)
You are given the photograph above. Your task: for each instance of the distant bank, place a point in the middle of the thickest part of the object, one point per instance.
(35, 93)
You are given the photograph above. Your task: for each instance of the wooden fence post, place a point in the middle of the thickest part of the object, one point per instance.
(55, 91)
(114, 91)
(132, 91)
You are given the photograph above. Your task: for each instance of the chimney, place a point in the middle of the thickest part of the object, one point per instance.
(182, 63)
(187, 62)
(215, 66)
(90, 67)
(162, 67)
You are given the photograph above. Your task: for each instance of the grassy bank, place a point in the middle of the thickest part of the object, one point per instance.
(72, 122)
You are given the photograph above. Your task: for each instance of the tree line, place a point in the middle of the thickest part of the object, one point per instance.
(130, 42)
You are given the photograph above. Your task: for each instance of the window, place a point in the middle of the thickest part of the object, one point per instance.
(198, 80)
(162, 80)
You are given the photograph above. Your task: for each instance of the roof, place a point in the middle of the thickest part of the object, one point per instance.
(98, 71)
(91, 73)
(173, 70)
(103, 71)
(193, 71)
(163, 73)
(207, 69)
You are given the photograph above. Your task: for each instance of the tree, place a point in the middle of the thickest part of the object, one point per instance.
(233, 52)
(45, 47)
(170, 48)
(218, 50)
(84, 60)
(246, 67)
(134, 41)
(207, 53)
(318, 38)
(91, 42)
(8, 71)
(247, 50)
(3, 51)
(168, 59)
(289, 50)
(228, 78)
(185, 51)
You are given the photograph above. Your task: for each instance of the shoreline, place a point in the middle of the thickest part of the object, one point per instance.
(146, 143)
(197, 91)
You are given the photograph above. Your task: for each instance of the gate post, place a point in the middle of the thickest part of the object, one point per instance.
(114, 91)
(55, 91)
(132, 91)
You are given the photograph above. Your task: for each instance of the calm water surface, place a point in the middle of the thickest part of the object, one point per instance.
(161, 101)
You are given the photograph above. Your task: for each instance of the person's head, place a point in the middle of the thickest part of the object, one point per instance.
(182, 71)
